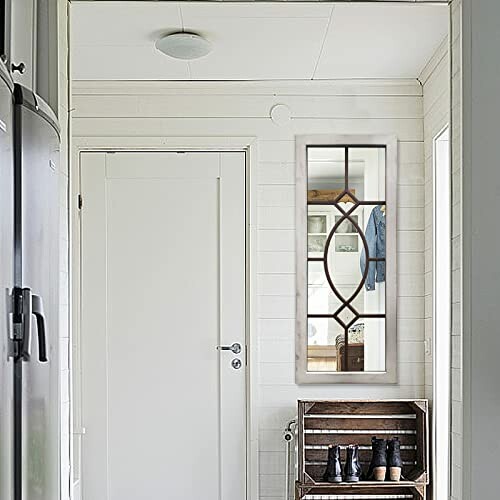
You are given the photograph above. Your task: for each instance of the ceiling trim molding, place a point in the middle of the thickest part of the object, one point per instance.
(407, 86)
(441, 52)
(398, 2)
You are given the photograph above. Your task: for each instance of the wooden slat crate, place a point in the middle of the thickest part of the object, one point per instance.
(362, 491)
(344, 422)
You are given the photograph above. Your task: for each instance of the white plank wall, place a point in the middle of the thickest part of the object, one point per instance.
(435, 80)
(64, 328)
(456, 254)
(161, 109)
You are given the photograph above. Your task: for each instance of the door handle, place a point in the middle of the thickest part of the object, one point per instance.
(234, 348)
(37, 310)
(26, 324)
(32, 305)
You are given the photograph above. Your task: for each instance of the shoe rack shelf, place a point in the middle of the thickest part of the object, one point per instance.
(342, 422)
(363, 490)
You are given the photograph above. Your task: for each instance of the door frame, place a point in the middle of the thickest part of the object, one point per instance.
(441, 372)
(246, 144)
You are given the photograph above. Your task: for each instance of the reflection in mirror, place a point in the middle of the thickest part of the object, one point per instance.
(346, 257)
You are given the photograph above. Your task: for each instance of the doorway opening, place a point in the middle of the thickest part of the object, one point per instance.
(315, 68)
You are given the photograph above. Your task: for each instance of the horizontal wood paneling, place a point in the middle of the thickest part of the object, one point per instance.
(233, 106)
(409, 129)
(435, 78)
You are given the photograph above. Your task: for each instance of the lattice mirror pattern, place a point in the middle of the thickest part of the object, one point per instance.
(346, 269)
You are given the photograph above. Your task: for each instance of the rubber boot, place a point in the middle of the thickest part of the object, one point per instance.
(394, 462)
(352, 469)
(333, 472)
(378, 465)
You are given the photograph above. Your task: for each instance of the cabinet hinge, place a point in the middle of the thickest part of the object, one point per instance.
(80, 202)
(16, 337)
(17, 305)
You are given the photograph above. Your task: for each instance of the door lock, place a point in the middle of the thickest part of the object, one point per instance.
(236, 364)
(234, 348)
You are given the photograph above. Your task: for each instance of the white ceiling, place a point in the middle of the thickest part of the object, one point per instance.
(256, 41)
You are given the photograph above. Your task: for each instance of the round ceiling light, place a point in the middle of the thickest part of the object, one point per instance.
(184, 46)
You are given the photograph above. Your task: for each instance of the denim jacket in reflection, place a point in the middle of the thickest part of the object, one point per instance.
(375, 239)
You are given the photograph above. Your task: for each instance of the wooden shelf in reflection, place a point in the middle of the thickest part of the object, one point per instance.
(318, 196)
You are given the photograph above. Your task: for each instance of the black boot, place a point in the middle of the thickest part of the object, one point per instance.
(394, 462)
(352, 469)
(333, 472)
(378, 465)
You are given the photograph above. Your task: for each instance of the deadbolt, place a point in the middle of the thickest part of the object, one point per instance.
(236, 363)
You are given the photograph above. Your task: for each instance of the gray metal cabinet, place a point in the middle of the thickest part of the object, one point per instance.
(6, 283)
(32, 46)
(23, 40)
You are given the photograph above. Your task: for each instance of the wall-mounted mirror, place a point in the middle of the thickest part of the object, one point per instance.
(346, 259)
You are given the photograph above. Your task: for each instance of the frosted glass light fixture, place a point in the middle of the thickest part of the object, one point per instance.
(184, 46)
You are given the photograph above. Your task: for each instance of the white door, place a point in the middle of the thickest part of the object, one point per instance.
(162, 285)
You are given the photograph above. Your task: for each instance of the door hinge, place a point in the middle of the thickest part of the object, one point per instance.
(80, 202)
(16, 338)
(17, 308)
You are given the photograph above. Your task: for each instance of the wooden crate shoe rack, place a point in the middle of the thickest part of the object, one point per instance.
(344, 422)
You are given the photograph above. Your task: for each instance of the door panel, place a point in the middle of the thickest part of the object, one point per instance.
(163, 283)
(6, 284)
(40, 270)
(232, 318)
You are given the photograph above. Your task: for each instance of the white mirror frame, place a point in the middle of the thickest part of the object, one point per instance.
(302, 375)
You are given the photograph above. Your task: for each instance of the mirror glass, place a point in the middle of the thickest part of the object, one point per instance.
(346, 258)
